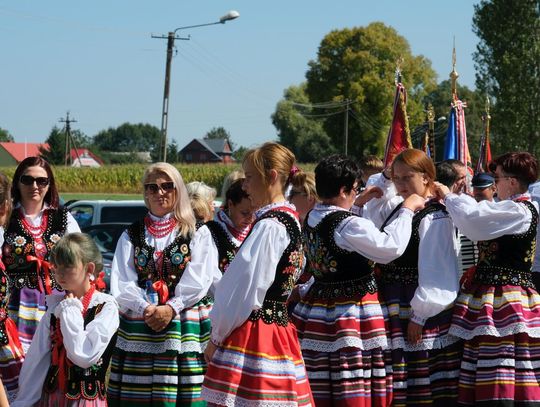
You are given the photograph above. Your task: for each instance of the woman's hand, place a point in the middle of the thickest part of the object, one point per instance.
(414, 202)
(367, 195)
(209, 352)
(441, 190)
(158, 317)
(414, 333)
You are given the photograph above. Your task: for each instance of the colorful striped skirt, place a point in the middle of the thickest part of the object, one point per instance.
(259, 364)
(342, 341)
(501, 359)
(11, 360)
(425, 373)
(160, 368)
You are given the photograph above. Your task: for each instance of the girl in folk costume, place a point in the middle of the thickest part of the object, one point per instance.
(498, 310)
(67, 362)
(11, 352)
(419, 288)
(214, 246)
(254, 357)
(35, 226)
(340, 322)
(158, 358)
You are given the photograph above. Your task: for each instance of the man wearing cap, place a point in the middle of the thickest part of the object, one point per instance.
(483, 187)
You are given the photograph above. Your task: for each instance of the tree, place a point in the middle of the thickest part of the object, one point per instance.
(130, 138)
(297, 130)
(508, 69)
(218, 133)
(239, 153)
(5, 136)
(358, 65)
(441, 98)
(56, 154)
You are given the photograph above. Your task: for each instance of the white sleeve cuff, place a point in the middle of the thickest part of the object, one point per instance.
(417, 319)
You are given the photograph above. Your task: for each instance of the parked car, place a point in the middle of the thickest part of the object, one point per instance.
(106, 237)
(88, 213)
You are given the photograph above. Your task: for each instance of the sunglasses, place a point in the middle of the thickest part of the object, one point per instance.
(153, 188)
(29, 180)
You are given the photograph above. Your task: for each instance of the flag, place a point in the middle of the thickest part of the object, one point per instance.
(399, 136)
(485, 154)
(455, 146)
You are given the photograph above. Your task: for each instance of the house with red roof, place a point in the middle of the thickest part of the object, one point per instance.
(11, 154)
(82, 157)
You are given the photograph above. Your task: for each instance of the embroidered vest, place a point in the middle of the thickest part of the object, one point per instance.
(19, 243)
(289, 267)
(507, 260)
(175, 258)
(404, 270)
(89, 383)
(226, 247)
(337, 272)
(4, 299)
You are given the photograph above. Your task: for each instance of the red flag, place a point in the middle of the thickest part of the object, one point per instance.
(399, 136)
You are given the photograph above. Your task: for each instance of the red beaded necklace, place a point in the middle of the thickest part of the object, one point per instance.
(86, 299)
(35, 231)
(159, 228)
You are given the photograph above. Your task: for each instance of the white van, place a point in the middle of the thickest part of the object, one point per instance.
(88, 213)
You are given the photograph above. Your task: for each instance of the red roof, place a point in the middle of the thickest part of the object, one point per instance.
(19, 151)
(84, 152)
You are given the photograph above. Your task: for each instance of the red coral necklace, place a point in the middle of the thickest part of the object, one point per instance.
(159, 229)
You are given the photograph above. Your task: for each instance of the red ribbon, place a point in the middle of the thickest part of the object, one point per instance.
(162, 291)
(45, 266)
(99, 282)
(467, 277)
(59, 357)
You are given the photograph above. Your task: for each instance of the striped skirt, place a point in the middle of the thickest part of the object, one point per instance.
(501, 360)
(342, 341)
(11, 360)
(258, 365)
(426, 373)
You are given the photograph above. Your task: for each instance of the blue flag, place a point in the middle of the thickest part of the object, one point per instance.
(451, 143)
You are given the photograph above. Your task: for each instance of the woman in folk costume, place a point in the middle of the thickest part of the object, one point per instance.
(498, 310)
(158, 358)
(420, 287)
(36, 224)
(340, 321)
(11, 352)
(214, 246)
(253, 356)
(66, 365)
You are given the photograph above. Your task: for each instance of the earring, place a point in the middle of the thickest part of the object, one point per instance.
(92, 277)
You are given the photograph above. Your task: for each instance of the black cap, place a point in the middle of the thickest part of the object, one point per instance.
(482, 180)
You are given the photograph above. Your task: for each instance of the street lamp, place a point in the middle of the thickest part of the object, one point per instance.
(231, 15)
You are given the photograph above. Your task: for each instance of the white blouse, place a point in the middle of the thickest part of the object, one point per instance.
(487, 220)
(243, 287)
(124, 277)
(438, 270)
(84, 346)
(356, 234)
(72, 225)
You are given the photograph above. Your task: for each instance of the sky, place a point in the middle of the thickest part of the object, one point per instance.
(97, 59)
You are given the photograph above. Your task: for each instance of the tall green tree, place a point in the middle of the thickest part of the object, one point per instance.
(358, 65)
(507, 61)
(297, 129)
(130, 137)
(218, 133)
(441, 98)
(5, 136)
(56, 154)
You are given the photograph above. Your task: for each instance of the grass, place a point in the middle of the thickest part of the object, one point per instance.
(95, 196)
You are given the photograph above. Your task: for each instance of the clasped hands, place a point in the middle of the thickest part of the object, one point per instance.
(157, 317)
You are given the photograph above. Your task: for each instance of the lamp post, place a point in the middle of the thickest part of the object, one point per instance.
(171, 36)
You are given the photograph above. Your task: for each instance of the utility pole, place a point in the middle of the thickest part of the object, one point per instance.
(346, 129)
(69, 140)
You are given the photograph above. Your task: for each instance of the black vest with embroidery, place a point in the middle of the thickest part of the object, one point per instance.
(289, 267)
(82, 383)
(175, 258)
(337, 272)
(4, 298)
(19, 243)
(404, 270)
(226, 247)
(507, 260)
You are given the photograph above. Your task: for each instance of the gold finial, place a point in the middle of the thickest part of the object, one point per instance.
(430, 113)
(399, 62)
(454, 75)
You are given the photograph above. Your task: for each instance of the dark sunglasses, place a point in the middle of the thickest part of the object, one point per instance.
(153, 188)
(29, 180)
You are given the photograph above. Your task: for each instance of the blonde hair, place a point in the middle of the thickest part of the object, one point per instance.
(77, 248)
(182, 209)
(201, 197)
(304, 183)
(272, 156)
(229, 179)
